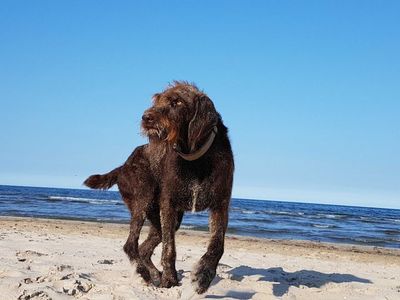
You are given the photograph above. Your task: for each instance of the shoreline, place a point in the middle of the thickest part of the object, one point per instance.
(124, 227)
(64, 259)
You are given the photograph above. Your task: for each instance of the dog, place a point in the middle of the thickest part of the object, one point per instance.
(187, 165)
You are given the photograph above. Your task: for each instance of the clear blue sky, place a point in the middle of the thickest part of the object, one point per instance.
(310, 90)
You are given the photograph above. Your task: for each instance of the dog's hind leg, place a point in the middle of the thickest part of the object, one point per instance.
(131, 247)
(146, 249)
(205, 270)
(153, 239)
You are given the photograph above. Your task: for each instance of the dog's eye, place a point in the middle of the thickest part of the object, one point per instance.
(175, 103)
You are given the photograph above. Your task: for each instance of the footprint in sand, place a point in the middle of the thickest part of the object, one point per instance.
(56, 280)
(74, 284)
(27, 295)
(62, 268)
(106, 262)
(28, 254)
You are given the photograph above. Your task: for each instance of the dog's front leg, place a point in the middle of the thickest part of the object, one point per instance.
(168, 215)
(205, 270)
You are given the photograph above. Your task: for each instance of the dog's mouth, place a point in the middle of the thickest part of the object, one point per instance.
(153, 131)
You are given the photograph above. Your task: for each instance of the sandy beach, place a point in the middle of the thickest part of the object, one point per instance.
(58, 259)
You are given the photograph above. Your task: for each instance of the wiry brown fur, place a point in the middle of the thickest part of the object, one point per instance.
(157, 184)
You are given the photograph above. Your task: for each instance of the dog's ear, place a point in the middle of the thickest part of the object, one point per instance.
(156, 97)
(204, 119)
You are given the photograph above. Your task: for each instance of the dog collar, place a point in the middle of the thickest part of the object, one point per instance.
(200, 152)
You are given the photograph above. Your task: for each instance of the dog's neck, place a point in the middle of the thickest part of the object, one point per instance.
(159, 147)
(201, 151)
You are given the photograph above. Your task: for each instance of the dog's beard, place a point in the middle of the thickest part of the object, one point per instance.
(154, 132)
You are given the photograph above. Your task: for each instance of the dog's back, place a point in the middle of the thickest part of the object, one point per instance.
(134, 179)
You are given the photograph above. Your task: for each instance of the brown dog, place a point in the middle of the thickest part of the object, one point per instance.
(187, 166)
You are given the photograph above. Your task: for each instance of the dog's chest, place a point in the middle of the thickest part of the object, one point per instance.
(193, 185)
(195, 190)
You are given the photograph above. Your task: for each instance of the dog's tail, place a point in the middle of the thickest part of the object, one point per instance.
(103, 182)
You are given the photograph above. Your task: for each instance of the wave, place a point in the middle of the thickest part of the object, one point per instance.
(331, 216)
(265, 212)
(392, 232)
(373, 220)
(249, 212)
(187, 226)
(252, 220)
(284, 213)
(323, 226)
(244, 211)
(83, 200)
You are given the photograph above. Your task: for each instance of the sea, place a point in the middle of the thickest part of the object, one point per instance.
(255, 218)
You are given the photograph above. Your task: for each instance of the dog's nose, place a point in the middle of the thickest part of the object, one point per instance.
(148, 118)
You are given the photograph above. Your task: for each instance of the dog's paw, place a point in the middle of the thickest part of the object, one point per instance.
(201, 277)
(169, 280)
(155, 277)
(144, 272)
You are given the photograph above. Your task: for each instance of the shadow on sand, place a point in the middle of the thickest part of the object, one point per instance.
(233, 295)
(282, 280)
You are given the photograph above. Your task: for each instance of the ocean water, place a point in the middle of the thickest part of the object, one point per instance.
(257, 218)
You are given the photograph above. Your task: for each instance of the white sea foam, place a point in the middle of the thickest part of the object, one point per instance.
(322, 226)
(248, 212)
(284, 213)
(331, 216)
(187, 227)
(86, 200)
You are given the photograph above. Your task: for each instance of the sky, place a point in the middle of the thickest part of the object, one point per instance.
(310, 90)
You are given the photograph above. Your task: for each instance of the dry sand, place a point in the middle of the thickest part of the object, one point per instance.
(58, 259)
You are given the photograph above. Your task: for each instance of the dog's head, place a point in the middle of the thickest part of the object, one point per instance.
(182, 115)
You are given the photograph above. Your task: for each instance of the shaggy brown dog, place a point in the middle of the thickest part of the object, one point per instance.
(187, 166)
